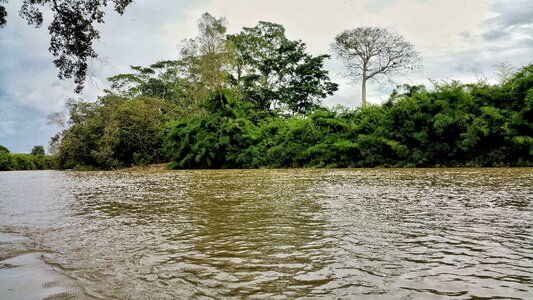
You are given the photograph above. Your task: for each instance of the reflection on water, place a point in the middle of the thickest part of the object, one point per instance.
(271, 234)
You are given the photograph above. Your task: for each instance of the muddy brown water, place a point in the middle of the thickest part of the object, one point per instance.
(267, 234)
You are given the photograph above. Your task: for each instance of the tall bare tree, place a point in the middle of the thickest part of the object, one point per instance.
(372, 52)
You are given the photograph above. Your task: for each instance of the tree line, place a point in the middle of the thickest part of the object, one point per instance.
(253, 99)
(36, 160)
(450, 125)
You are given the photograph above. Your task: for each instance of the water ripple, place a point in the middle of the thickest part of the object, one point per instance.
(282, 234)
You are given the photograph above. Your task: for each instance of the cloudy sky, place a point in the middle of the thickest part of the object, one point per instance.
(458, 39)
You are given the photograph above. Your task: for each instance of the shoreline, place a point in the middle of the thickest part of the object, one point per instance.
(153, 168)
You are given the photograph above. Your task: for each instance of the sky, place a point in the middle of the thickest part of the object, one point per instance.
(457, 39)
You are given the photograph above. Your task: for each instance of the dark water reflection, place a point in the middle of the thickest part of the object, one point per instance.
(273, 234)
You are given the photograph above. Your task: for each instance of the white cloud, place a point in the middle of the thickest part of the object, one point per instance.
(314, 22)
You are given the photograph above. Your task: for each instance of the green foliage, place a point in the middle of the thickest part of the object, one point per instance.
(217, 116)
(274, 72)
(213, 141)
(113, 132)
(21, 161)
(133, 133)
(451, 125)
(7, 162)
(159, 80)
(37, 150)
(24, 161)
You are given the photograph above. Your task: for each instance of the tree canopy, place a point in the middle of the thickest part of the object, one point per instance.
(37, 160)
(4, 149)
(37, 150)
(275, 72)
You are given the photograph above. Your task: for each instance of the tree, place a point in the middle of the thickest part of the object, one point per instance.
(134, 133)
(37, 151)
(188, 82)
(275, 72)
(206, 57)
(72, 31)
(112, 132)
(161, 80)
(4, 149)
(371, 52)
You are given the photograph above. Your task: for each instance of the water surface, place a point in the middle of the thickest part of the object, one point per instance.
(267, 234)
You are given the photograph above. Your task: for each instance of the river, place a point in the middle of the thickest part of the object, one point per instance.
(267, 234)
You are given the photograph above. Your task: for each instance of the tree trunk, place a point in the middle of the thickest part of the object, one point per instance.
(363, 84)
(363, 91)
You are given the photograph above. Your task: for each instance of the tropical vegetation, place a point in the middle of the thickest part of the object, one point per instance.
(37, 160)
(253, 100)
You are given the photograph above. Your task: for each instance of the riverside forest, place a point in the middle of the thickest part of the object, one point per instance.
(253, 100)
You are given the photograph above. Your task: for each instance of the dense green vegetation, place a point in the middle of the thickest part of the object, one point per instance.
(113, 132)
(452, 124)
(37, 160)
(253, 100)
